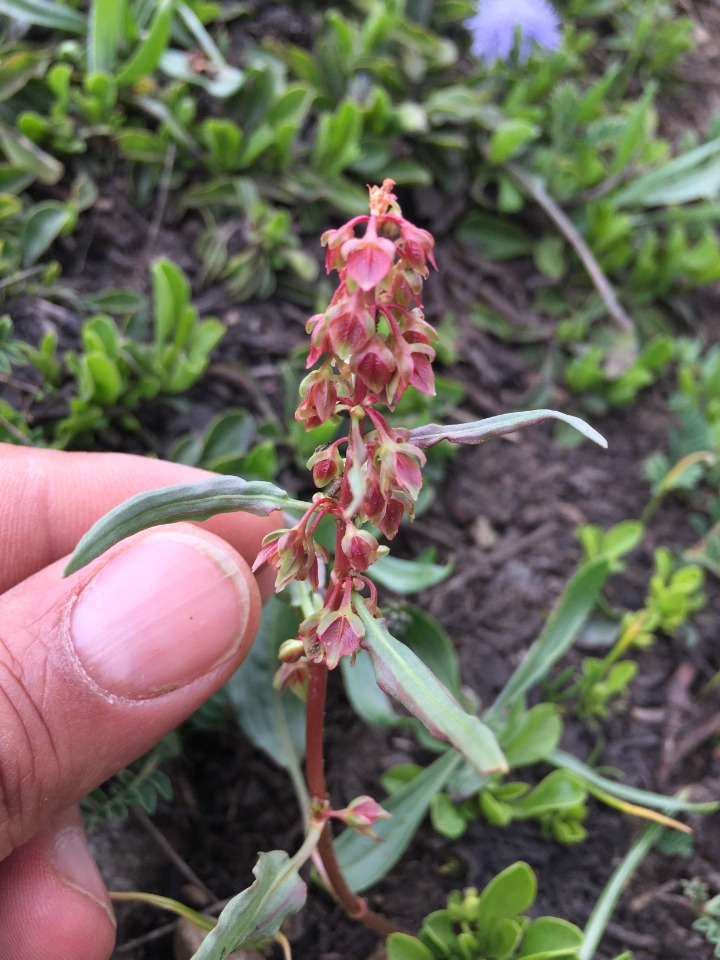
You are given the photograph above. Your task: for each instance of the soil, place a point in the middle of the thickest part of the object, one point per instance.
(506, 513)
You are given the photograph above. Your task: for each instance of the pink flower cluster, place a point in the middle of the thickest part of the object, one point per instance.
(370, 345)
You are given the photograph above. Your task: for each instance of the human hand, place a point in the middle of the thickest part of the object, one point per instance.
(96, 668)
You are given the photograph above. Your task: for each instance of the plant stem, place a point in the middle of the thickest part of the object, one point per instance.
(354, 906)
(315, 723)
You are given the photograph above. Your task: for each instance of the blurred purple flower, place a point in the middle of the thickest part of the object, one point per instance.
(494, 28)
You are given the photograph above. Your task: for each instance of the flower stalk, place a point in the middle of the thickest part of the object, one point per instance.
(369, 346)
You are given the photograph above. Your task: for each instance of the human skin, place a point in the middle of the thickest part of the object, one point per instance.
(96, 668)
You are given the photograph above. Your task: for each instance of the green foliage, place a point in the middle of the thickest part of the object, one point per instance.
(116, 370)
(11, 350)
(229, 445)
(490, 925)
(674, 594)
(140, 785)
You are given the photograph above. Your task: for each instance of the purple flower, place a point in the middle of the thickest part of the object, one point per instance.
(498, 22)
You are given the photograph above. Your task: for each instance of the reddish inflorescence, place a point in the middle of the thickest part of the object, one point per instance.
(370, 345)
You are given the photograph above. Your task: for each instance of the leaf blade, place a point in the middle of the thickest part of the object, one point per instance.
(401, 674)
(365, 861)
(567, 618)
(185, 501)
(257, 911)
(481, 430)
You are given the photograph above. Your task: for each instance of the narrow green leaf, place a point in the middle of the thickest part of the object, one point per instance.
(427, 638)
(481, 430)
(45, 13)
(365, 861)
(274, 722)
(691, 176)
(402, 674)
(409, 576)
(171, 294)
(185, 501)
(147, 55)
(560, 632)
(105, 34)
(258, 911)
(605, 905)
(26, 155)
(645, 798)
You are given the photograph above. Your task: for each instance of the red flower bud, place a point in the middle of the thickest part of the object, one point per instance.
(339, 633)
(375, 365)
(326, 464)
(360, 815)
(360, 547)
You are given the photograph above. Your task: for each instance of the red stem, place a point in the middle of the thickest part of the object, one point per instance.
(355, 906)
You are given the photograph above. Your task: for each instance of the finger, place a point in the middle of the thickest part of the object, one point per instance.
(53, 901)
(96, 668)
(50, 498)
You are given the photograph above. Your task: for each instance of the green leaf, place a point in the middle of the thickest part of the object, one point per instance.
(258, 911)
(105, 34)
(493, 237)
(171, 294)
(606, 903)
(185, 501)
(692, 176)
(18, 66)
(43, 226)
(409, 576)
(45, 13)
(107, 380)
(426, 637)
(147, 55)
(645, 798)
(509, 138)
(402, 674)
(550, 937)
(446, 818)
(365, 861)
(557, 791)
(481, 430)
(634, 132)
(506, 896)
(401, 946)
(365, 696)
(274, 722)
(560, 632)
(26, 155)
(533, 736)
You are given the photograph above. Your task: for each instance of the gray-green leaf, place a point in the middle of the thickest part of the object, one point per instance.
(481, 430)
(258, 911)
(185, 501)
(402, 674)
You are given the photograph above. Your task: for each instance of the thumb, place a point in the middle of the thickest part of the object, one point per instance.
(96, 668)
